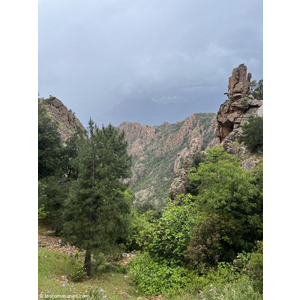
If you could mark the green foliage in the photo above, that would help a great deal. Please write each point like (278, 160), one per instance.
(52, 193)
(223, 274)
(49, 145)
(169, 235)
(245, 101)
(42, 213)
(163, 277)
(78, 275)
(252, 134)
(256, 89)
(229, 203)
(211, 241)
(241, 289)
(251, 264)
(97, 211)
(141, 224)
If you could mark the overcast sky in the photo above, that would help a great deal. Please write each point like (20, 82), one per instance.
(94, 54)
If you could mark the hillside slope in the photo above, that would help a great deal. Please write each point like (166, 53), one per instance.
(67, 122)
(158, 153)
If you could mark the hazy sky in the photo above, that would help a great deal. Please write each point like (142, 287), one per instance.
(94, 54)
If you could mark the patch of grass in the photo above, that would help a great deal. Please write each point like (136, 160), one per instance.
(54, 278)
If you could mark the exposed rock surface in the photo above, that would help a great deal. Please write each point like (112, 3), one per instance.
(161, 152)
(67, 122)
(239, 82)
(235, 112)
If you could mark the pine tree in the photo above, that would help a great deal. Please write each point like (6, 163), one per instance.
(49, 145)
(97, 210)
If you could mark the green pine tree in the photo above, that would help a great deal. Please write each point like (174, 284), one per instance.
(49, 145)
(97, 212)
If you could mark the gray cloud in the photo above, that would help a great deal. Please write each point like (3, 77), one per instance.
(95, 54)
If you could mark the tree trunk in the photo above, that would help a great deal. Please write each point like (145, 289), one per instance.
(87, 263)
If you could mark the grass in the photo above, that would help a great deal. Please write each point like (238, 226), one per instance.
(55, 269)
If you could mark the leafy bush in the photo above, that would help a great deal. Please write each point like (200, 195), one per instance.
(169, 236)
(159, 277)
(256, 88)
(241, 289)
(223, 274)
(78, 275)
(229, 206)
(211, 240)
(251, 264)
(140, 225)
(42, 213)
(252, 135)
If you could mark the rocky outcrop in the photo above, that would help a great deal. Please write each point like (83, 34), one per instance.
(162, 152)
(239, 83)
(231, 117)
(67, 122)
(237, 110)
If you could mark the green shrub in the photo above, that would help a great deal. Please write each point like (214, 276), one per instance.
(140, 225)
(42, 213)
(251, 264)
(159, 277)
(252, 135)
(223, 274)
(211, 241)
(229, 206)
(169, 236)
(241, 289)
(78, 275)
(97, 294)
(245, 101)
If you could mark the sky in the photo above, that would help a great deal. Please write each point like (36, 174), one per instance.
(99, 57)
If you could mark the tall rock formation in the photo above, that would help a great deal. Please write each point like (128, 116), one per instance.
(231, 117)
(237, 110)
(67, 122)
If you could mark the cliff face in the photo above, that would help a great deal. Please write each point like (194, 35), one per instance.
(237, 110)
(231, 117)
(67, 123)
(160, 152)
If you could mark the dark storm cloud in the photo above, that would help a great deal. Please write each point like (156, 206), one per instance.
(95, 54)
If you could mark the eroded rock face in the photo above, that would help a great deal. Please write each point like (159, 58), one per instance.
(67, 123)
(239, 82)
(235, 111)
(162, 152)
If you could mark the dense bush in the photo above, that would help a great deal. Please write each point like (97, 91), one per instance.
(252, 135)
(241, 289)
(170, 235)
(211, 240)
(155, 277)
(229, 206)
(251, 264)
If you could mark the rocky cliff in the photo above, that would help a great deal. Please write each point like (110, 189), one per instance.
(67, 122)
(160, 152)
(231, 117)
(237, 110)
